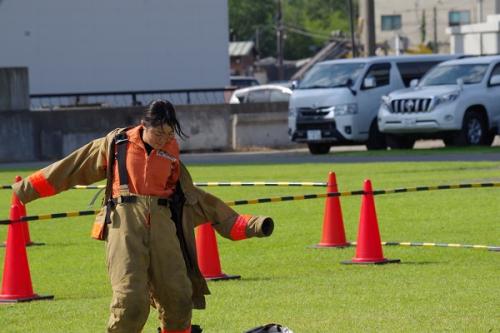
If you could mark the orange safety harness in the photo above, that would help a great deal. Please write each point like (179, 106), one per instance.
(175, 202)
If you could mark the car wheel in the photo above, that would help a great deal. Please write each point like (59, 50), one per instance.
(474, 131)
(376, 139)
(399, 142)
(319, 148)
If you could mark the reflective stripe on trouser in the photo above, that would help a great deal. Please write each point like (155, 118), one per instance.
(144, 258)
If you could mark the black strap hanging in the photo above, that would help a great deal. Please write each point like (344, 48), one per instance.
(120, 142)
(121, 156)
(176, 204)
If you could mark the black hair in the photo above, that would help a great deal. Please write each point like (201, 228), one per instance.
(161, 112)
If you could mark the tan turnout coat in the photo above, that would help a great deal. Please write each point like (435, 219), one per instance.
(88, 165)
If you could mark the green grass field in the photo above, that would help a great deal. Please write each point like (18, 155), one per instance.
(283, 280)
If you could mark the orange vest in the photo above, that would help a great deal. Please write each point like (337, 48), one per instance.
(154, 174)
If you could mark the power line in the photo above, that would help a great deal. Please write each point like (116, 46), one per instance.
(306, 33)
(280, 54)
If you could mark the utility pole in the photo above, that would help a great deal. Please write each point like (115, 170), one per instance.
(351, 24)
(368, 15)
(279, 43)
(257, 40)
(435, 49)
(479, 11)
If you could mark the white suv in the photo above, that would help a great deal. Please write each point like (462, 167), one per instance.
(457, 101)
(338, 100)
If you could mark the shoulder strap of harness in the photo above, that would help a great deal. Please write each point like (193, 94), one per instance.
(121, 155)
(118, 141)
(112, 156)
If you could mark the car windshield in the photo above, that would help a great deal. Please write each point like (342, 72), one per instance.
(331, 75)
(449, 74)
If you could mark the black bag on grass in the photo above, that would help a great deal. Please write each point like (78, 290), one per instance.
(270, 328)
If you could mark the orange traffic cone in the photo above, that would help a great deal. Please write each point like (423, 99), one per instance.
(208, 254)
(16, 282)
(333, 224)
(369, 247)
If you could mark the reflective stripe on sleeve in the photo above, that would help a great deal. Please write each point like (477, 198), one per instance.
(238, 231)
(41, 184)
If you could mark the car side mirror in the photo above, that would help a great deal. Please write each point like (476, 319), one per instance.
(460, 83)
(295, 84)
(349, 83)
(414, 83)
(495, 80)
(369, 82)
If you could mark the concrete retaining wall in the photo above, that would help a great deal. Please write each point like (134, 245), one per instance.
(14, 88)
(254, 128)
(49, 135)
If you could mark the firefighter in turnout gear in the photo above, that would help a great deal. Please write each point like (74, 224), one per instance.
(150, 210)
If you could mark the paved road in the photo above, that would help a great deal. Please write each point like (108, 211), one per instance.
(303, 156)
(424, 151)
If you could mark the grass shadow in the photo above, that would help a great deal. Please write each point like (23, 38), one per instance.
(422, 262)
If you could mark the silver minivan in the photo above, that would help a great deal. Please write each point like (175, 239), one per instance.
(337, 101)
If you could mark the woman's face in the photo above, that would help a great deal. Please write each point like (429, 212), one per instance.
(159, 136)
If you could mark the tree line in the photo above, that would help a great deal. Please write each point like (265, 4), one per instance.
(307, 24)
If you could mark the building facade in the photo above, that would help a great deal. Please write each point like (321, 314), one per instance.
(421, 24)
(72, 46)
(478, 39)
(242, 57)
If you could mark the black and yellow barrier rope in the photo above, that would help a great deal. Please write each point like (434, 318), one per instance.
(229, 203)
(210, 184)
(51, 216)
(227, 184)
(89, 187)
(435, 188)
(319, 184)
(287, 198)
(361, 192)
(291, 184)
(427, 244)
(313, 184)
(421, 244)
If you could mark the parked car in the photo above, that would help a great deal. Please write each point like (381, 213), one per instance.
(265, 93)
(243, 81)
(457, 101)
(338, 100)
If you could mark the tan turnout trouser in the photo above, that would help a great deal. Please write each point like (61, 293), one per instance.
(143, 257)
